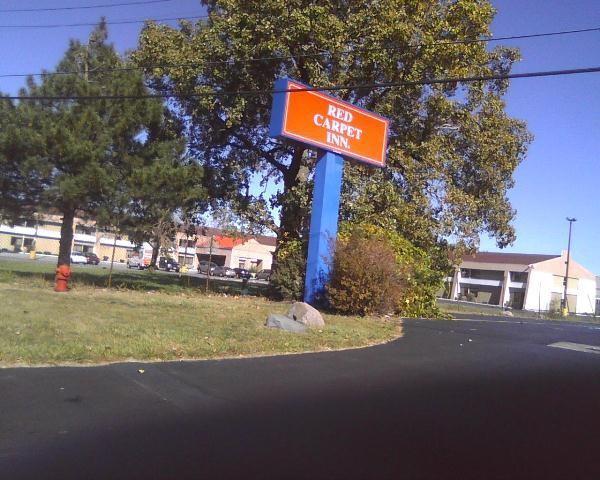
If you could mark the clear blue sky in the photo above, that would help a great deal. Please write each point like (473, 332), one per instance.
(559, 178)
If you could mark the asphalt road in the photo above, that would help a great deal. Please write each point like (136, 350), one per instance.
(451, 399)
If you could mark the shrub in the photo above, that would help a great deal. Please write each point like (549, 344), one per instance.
(287, 280)
(365, 277)
(554, 310)
(420, 280)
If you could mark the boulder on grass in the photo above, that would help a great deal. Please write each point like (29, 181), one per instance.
(306, 314)
(283, 322)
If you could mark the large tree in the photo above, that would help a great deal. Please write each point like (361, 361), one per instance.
(452, 151)
(166, 191)
(84, 149)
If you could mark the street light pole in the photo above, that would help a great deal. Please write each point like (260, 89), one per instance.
(565, 304)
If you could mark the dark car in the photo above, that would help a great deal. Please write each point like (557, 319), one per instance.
(168, 264)
(264, 275)
(224, 272)
(92, 258)
(242, 273)
(207, 268)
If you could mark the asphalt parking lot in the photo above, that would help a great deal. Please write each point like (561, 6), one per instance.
(451, 399)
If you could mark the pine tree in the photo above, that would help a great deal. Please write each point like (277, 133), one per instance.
(84, 150)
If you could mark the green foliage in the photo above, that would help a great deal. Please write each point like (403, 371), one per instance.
(24, 171)
(413, 292)
(554, 311)
(452, 151)
(287, 279)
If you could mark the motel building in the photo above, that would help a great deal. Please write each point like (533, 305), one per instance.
(42, 234)
(252, 252)
(523, 281)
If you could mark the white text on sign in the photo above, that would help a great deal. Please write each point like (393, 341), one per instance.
(337, 122)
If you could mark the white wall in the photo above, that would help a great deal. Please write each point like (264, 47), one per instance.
(586, 296)
(541, 286)
(539, 291)
(252, 250)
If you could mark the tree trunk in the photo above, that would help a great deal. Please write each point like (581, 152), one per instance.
(293, 218)
(155, 252)
(112, 261)
(66, 237)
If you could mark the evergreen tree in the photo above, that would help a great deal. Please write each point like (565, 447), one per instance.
(84, 150)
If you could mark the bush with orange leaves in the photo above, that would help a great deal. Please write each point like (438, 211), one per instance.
(366, 278)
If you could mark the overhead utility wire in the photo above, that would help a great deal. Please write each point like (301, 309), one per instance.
(116, 22)
(307, 55)
(81, 7)
(369, 86)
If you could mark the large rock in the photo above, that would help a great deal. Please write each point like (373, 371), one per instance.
(305, 314)
(288, 324)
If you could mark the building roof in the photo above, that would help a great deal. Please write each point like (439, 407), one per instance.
(229, 241)
(508, 258)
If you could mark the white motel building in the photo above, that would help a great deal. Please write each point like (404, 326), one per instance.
(523, 281)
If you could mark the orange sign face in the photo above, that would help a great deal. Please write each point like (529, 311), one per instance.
(323, 121)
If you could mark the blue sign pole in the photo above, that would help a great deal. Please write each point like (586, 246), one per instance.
(323, 223)
(337, 124)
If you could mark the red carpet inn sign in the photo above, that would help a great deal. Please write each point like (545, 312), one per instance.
(322, 121)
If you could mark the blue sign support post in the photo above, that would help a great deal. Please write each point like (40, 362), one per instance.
(337, 129)
(323, 223)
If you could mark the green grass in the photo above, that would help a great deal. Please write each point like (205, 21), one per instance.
(141, 280)
(91, 324)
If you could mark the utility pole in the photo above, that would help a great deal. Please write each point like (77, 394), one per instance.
(565, 304)
(210, 248)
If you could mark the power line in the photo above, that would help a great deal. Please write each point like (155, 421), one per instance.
(116, 22)
(369, 86)
(81, 7)
(310, 55)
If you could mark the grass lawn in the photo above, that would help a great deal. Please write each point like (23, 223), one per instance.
(142, 280)
(152, 321)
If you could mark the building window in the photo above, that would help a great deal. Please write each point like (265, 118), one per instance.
(24, 222)
(16, 243)
(242, 263)
(190, 243)
(85, 229)
(183, 260)
(518, 277)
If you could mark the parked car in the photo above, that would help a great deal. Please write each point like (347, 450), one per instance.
(224, 272)
(78, 257)
(207, 268)
(168, 264)
(242, 273)
(135, 262)
(264, 275)
(92, 258)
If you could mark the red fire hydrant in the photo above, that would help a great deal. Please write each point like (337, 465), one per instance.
(63, 273)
